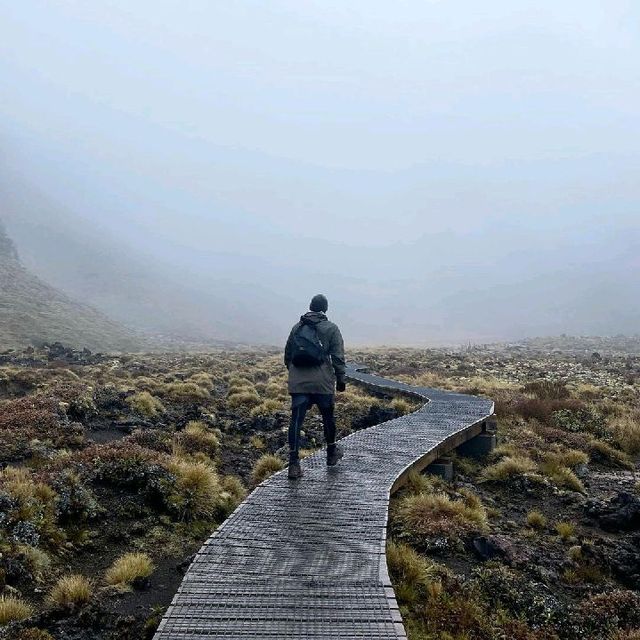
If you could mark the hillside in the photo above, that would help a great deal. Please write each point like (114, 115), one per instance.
(33, 312)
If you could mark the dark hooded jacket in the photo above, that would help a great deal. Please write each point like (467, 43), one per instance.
(320, 379)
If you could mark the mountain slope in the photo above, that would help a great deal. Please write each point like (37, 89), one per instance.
(33, 312)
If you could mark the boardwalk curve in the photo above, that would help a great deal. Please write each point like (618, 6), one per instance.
(306, 559)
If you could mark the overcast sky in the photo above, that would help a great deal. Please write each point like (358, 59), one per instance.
(443, 170)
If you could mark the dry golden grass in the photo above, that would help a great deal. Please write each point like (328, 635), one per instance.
(561, 476)
(198, 490)
(410, 571)
(265, 467)
(257, 442)
(437, 514)
(196, 438)
(129, 568)
(244, 399)
(70, 591)
(13, 610)
(626, 432)
(145, 404)
(536, 520)
(509, 467)
(266, 408)
(401, 406)
(601, 451)
(565, 530)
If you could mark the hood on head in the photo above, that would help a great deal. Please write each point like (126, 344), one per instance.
(313, 317)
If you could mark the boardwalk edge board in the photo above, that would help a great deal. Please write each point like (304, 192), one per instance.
(306, 559)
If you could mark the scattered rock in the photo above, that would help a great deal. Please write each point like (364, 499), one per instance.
(621, 513)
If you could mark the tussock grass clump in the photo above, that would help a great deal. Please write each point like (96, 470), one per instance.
(417, 482)
(410, 571)
(562, 476)
(273, 390)
(626, 433)
(547, 389)
(196, 438)
(266, 408)
(265, 467)
(203, 380)
(257, 442)
(602, 452)
(198, 489)
(401, 406)
(536, 520)
(565, 530)
(128, 569)
(232, 494)
(14, 610)
(244, 399)
(437, 514)
(145, 404)
(70, 591)
(509, 467)
(186, 392)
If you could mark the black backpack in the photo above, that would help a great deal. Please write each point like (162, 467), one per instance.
(308, 350)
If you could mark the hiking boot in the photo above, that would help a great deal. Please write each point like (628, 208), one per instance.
(334, 455)
(295, 470)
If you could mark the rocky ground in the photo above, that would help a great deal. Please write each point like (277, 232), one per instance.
(114, 470)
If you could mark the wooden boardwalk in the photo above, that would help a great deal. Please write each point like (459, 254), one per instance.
(305, 559)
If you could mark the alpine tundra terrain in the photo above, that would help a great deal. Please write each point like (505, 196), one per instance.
(115, 469)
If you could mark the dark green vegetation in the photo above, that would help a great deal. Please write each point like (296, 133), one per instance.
(33, 312)
(116, 469)
(541, 541)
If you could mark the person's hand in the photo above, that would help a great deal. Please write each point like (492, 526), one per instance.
(341, 386)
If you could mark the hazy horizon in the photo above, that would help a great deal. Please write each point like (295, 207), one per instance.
(443, 172)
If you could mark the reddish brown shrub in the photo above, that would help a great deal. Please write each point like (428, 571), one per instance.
(34, 418)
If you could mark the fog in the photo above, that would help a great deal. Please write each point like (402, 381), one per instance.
(443, 171)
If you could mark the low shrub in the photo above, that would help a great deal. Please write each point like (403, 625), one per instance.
(70, 591)
(35, 418)
(265, 467)
(130, 568)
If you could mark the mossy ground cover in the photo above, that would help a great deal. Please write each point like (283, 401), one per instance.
(541, 540)
(115, 469)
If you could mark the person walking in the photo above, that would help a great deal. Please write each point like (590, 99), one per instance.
(314, 356)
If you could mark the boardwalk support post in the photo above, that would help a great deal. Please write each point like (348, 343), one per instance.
(442, 467)
(484, 443)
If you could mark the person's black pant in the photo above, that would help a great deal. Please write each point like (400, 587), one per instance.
(300, 404)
